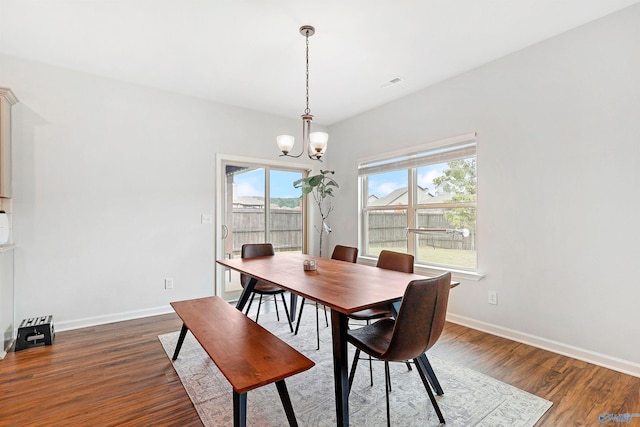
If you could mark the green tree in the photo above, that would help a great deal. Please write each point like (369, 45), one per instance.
(460, 180)
(286, 202)
(321, 186)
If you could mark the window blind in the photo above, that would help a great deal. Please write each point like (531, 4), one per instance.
(464, 147)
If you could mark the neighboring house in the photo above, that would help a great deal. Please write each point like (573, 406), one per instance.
(249, 202)
(400, 196)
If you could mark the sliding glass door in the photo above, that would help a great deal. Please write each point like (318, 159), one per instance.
(259, 205)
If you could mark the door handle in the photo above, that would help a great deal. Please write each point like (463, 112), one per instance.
(225, 232)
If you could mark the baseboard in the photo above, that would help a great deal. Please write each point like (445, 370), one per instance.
(614, 363)
(8, 345)
(110, 318)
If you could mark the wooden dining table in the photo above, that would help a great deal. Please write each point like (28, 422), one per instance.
(345, 288)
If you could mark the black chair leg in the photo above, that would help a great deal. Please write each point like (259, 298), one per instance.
(259, 305)
(246, 312)
(299, 316)
(370, 362)
(275, 301)
(317, 327)
(286, 311)
(430, 393)
(353, 368)
(326, 319)
(387, 388)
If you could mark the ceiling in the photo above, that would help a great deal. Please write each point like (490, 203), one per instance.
(249, 53)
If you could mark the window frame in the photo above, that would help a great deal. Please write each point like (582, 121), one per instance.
(411, 159)
(222, 159)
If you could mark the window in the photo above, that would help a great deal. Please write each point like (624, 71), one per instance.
(422, 202)
(258, 203)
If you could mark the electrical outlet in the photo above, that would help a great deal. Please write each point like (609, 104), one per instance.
(493, 298)
(206, 219)
(168, 283)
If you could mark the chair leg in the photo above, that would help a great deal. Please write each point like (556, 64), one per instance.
(317, 327)
(326, 319)
(246, 312)
(275, 301)
(299, 316)
(259, 305)
(286, 311)
(409, 366)
(431, 396)
(370, 363)
(387, 387)
(352, 374)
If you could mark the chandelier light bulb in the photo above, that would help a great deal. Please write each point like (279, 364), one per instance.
(285, 143)
(318, 142)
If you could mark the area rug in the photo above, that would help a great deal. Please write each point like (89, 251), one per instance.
(470, 398)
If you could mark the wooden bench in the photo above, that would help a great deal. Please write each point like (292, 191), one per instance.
(248, 355)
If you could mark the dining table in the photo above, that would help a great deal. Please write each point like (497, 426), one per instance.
(344, 288)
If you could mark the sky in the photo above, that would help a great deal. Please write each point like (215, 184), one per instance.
(251, 184)
(384, 183)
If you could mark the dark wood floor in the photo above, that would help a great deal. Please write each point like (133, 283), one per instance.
(119, 375)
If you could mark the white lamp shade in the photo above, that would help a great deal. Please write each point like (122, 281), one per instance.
(318, 142)
(285, 143)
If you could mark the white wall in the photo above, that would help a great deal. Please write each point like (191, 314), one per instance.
(110, 180)
(558, 153)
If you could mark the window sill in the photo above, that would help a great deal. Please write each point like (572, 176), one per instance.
(432, 271)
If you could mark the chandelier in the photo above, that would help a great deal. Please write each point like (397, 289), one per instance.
(315, 142)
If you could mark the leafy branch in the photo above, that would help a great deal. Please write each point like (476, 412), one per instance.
(321, 186)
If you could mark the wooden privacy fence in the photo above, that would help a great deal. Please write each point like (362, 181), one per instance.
(386, 229)
(286, 228)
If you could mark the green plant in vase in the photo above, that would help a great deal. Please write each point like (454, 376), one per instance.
(321, 186)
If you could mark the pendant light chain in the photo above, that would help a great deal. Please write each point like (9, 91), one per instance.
(307, 111)
(313, 143)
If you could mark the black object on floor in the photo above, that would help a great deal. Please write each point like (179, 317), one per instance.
(34, 332)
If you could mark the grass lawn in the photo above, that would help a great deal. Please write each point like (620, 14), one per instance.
(438, 256)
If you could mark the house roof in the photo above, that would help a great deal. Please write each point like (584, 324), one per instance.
(399, 196)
